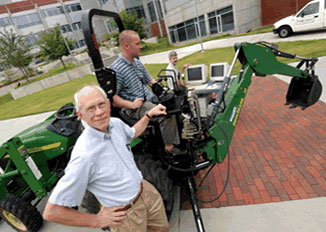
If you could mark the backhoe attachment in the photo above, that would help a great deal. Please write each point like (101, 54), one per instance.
(305, 88)
(303, 92)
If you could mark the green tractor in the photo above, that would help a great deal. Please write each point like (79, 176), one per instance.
(34, 160)
(31, 163)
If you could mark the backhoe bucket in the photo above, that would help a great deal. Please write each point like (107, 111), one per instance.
(303, 92)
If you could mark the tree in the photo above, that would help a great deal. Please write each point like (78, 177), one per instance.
(132, 22)
(52, 44)
(14, 51)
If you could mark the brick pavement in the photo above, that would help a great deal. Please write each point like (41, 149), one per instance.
(277, 153)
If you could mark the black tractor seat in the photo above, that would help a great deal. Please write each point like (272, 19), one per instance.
(125, 118)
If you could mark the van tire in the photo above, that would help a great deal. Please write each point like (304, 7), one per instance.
(284, 31)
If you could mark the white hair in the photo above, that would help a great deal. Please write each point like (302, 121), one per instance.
(86, 90)
(171, 54)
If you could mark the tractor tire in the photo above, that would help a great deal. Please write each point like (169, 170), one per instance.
(284, 31)
(153, 172)
(20, 215)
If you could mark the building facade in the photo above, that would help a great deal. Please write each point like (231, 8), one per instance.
(29, 18)
(189, 19)
(131, 6)
(181, 21)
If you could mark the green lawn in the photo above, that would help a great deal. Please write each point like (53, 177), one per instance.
(43, 101)
(53, 98)
(310, 48)
(164, 45)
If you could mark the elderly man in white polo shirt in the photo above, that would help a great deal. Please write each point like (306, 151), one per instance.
(102, 163)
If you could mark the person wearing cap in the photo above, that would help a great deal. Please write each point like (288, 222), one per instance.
(102, 163)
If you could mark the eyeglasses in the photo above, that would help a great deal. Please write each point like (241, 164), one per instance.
(92, 109)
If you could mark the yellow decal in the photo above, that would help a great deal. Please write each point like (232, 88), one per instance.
(51, 146)
(238, 112)
(44, 148)
(34, 149)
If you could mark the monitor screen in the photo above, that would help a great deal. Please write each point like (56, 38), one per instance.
(217, 71)
(194, 74)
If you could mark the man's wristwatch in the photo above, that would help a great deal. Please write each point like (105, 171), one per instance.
(147, 115)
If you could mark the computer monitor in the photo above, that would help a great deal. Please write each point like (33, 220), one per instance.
(218, 71)
(196, 74)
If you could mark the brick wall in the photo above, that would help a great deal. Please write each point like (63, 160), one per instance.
(274, 10)
(163, 25)
(26, 5)
(155, 29)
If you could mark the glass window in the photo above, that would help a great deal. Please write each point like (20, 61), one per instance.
(61, 9)
(5, 21)
(212, 25)
(50, 12)
(187, 30)
(27, 20)
(172, 36)
(65, 28)
(75, 7)
(202, 28)
(160, 9)
(191, 21)
(180, 25)
(191, 31)
(82, 43)
(212, 14)
(102, 2)
(76, 26)
(32, 39)
(310, 9)
(152, 12)
(224, 10)
(222, 17)
(139, 11)
(182, 34)
(227, 21)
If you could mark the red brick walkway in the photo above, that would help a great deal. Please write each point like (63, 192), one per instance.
(277, 153)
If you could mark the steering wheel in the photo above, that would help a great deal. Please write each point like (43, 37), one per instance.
(65, 112)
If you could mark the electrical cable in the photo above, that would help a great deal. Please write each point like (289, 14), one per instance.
(227, 175)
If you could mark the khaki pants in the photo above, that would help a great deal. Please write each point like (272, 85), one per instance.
(147, 214)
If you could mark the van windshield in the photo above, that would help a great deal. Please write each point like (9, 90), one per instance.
(312, 8)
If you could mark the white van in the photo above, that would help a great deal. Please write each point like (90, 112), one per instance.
(311, 17)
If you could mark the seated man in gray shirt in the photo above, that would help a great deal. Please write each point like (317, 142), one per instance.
(132, 92)
(102, 163)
